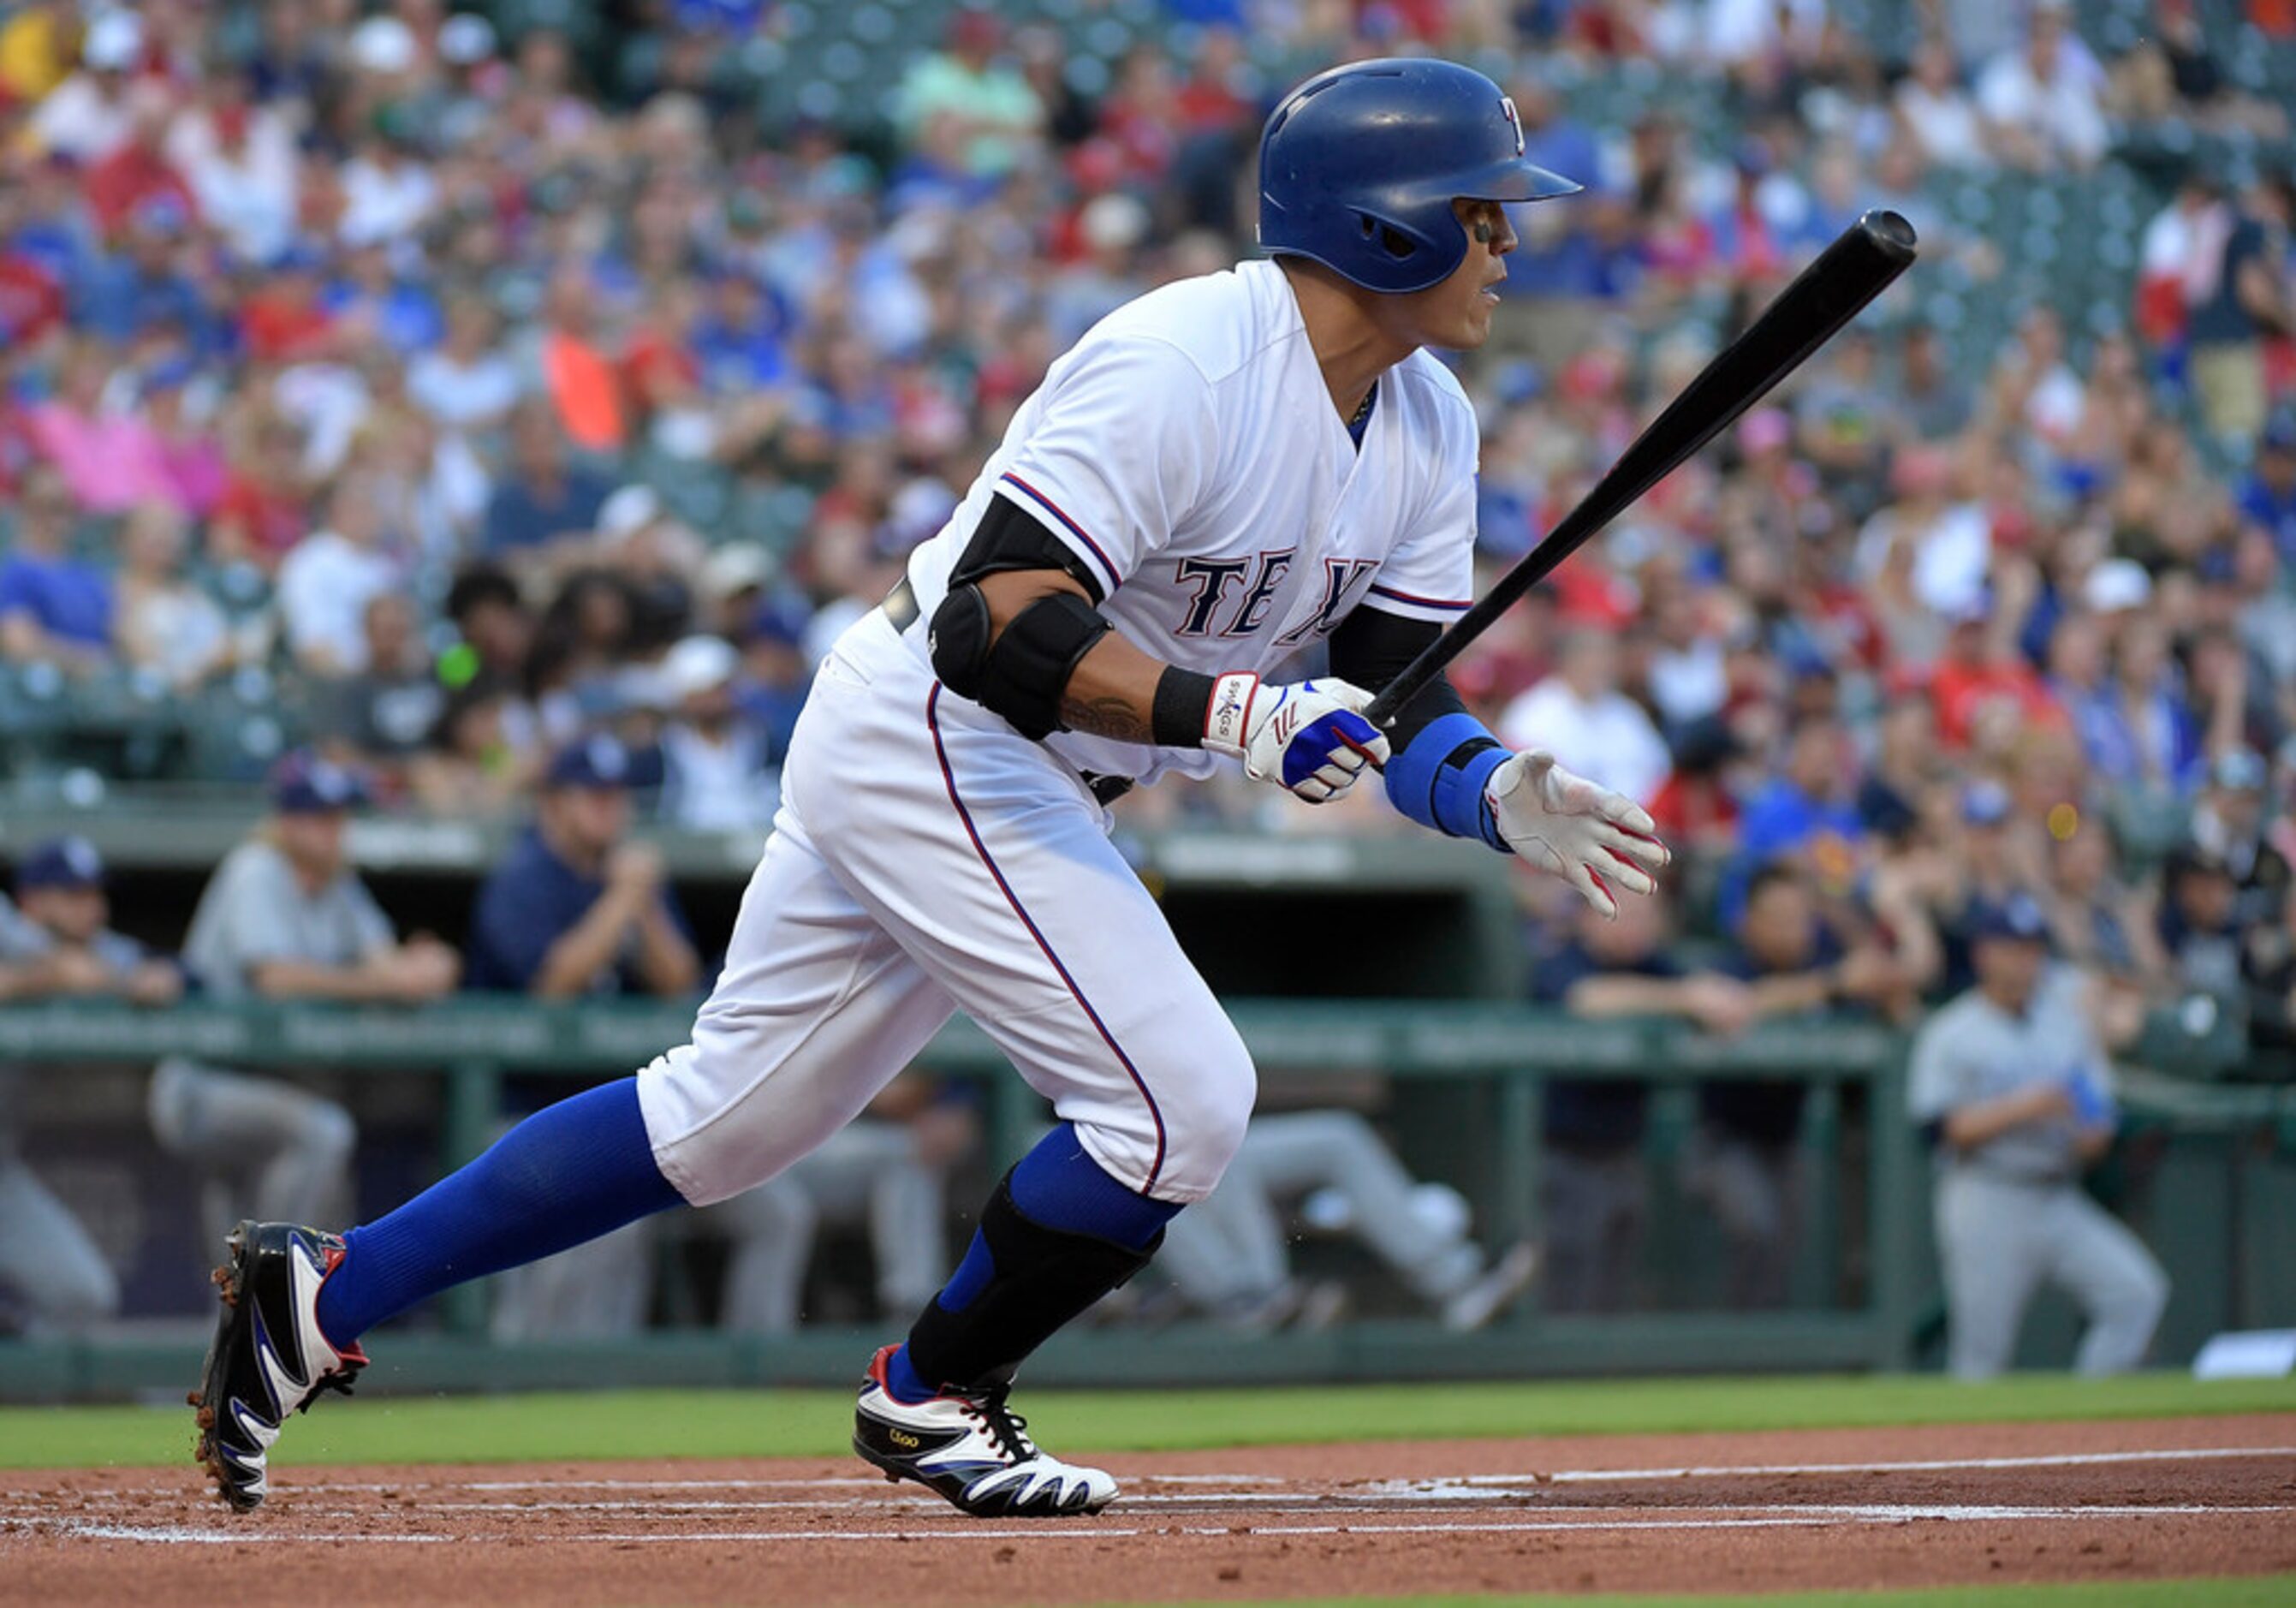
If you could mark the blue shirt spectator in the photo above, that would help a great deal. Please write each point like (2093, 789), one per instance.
(2266, 495)
(544, 497)
(574, 909)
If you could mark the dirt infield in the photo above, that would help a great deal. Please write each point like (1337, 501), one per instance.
(1728, 1512)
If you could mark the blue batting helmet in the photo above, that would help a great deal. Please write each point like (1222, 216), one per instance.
(1358, 167)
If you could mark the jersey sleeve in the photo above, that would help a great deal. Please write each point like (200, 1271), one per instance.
(1430, 573)
(1937, 1082)
(1125, 448)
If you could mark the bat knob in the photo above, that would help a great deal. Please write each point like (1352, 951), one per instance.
(1890, 234)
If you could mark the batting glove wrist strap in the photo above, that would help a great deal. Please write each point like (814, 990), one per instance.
(1440, 779)
(1183, 708)
(1307, 737)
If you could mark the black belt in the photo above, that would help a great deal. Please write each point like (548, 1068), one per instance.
(900, 606)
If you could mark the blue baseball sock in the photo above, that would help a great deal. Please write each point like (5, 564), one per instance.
(1056, 1185)
(568, 1173)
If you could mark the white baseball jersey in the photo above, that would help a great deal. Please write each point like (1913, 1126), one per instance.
(928, 857)
(1187, 450)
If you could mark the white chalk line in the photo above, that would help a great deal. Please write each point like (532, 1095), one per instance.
(1930, 1465)
(1434, 1489)
(1891, 1514)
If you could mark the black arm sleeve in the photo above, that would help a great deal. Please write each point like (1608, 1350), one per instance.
(1009, 538)
(1370, 649)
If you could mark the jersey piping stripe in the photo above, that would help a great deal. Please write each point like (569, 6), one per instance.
(1425, 603)
(1075, 529)
(948, 777)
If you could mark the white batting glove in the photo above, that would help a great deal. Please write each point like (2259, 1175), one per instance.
(1592, 838)
(1307, 735)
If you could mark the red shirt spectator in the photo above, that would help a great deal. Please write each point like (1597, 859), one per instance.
(135, 175)
(31, 302)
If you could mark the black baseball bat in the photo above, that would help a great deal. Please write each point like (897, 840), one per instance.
(1855, 269)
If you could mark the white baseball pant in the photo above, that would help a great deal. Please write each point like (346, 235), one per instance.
(929, 858)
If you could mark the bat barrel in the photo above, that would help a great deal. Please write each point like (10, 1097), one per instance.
(1860, 264)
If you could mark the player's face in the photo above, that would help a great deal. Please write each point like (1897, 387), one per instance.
(1456, 313)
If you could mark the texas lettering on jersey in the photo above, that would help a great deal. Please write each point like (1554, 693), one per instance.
(1186, 450)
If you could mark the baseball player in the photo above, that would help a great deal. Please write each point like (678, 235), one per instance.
(1227, 472)
(2010, 1082)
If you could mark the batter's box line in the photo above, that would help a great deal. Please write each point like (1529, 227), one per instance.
(1790, 1519)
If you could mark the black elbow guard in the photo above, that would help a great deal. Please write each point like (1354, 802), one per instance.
(1021, 671)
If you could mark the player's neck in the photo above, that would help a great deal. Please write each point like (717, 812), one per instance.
(1350, 348)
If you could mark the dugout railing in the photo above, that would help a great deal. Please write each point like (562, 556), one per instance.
(1472, 1075)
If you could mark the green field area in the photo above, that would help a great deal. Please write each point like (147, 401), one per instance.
(765, 1424)
(2264, 1591)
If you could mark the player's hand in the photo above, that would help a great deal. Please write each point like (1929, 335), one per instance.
(635, 867)
(1309, 737)
(154, 982)
(1592, 838)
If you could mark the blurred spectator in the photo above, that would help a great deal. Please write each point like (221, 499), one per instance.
(471, 766)
(1805, 816)
(136, 174)
(2098, 921)
(963, 107)
(86, 117)
(240, 161)
(1232, 1261)
(1580, 716)
(490, 615)
(546, 505)
(327, 581)
(2042, 104)
(55, 607)
(164, 623)
(716, 775)
(1746, 1163)
(2010, 1082)
(888, 1170)
(575, 909)
(1936, 110)
(1934, 400)
(2236, 285)
(1596, 1180)
(382, 713)
(2199, 925)
(2266, 497)
(284, 917)
(263, 510)
(56, 943)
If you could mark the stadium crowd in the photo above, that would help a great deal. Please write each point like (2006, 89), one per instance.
(449, 397)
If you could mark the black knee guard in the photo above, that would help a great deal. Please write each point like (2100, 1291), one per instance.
(1039, 1279)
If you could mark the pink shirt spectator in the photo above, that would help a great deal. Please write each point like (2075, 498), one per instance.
(111, 461)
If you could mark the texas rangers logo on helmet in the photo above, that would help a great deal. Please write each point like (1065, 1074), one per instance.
(1515, 120)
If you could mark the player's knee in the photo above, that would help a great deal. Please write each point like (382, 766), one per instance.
(1206, 1137)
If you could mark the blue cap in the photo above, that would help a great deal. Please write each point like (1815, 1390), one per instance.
(780, 617)
(2017, 918)
(598, 761)
(67, 862)
(1984, 803)
(305, 785)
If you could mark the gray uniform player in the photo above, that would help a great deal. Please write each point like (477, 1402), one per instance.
(2011, 1078)
(284, 917)
(56, 944)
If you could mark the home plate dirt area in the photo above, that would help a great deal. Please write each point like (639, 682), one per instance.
(2136, 1499)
